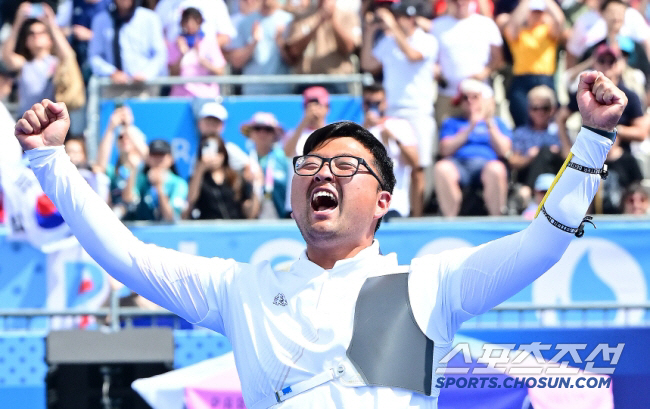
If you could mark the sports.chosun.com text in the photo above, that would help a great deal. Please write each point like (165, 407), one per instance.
(530, 382)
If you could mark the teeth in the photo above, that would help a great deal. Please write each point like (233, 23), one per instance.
(324, 193)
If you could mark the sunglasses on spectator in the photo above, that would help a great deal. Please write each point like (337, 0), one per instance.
(263, 128)
(372, 103)
(467, 97)
(606, 61)
(544, 108)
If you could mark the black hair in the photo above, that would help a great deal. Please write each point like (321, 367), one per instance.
(635, 187)
(21, 40)
(191, 12)
(372, 88)
(381, 160)
(70, 137)
(608, 2)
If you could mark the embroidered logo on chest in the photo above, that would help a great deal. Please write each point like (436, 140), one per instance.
(280, 300)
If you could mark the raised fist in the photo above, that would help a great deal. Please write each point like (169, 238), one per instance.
(46, 124)
(601, 103)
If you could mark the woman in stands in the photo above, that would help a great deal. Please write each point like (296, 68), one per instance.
(195, 54)
(216, 190)
(34, 48)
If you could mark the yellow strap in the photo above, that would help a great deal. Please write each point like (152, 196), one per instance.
(557, 177)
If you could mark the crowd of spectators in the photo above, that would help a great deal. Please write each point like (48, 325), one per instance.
(462, 142)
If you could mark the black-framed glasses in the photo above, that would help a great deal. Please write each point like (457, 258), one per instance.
(545, 108)
(342, 166)
(263, 128)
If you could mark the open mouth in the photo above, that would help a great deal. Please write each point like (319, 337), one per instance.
(323, 200)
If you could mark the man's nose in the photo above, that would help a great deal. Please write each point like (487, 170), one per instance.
(325, 173)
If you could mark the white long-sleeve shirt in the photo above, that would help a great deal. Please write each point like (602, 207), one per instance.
(276, 345)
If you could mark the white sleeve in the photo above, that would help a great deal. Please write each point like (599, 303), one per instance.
(403, 130)
(639, 28)
(575, 44)
(187, 285)
(494, 35)
(237, 158)
(470, 281)
(426, 44)
(223, 22)
(379, 51)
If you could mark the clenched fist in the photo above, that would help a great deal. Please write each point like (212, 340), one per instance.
(46, 124)
(601, 103)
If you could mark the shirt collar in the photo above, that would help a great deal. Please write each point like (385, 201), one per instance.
(368, 257)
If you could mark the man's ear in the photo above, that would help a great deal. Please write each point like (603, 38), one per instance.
(291, 215)
(383, 204)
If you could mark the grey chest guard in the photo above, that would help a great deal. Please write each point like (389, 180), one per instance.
(387, 347)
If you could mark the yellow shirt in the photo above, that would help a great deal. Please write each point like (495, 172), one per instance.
(534, 51)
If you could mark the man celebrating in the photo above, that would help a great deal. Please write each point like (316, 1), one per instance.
(346, 326)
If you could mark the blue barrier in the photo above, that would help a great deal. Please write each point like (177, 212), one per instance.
(631, 374)
(608, 264)
(22, 370)
(173, 119)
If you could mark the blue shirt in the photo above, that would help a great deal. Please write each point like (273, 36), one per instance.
(141, 42)
(281, 175)
(525, 137)
(478, 142)
(266, 58)
(148, 207)
(84, 11)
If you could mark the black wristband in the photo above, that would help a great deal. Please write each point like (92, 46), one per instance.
(607, 134)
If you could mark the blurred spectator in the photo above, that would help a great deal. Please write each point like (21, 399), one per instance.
(471, 146)
(75, 147)
(160, 194)
(212, 121)
(484, 7)
(7, 78)
(9, 8)
(536, 146)
(533, 33)
(35, 48)
(83, 12)
(322, 42)
(622, 171)
(128, 46)
(542, 185)
(407, 55)
(316, 101)
(633, 125)
(270, 162)
(216, 190)
(623, 168)
(194, 54)
(11, 152)
(400, 141)
(216, 19)
(636, 200)
(607, 18)
(259, 48)
(470, 47)
(245, 7)
(298, 7)
(132, 150)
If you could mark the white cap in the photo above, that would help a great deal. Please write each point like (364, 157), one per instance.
(539, 5)
(475, 86)
(215, 110)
